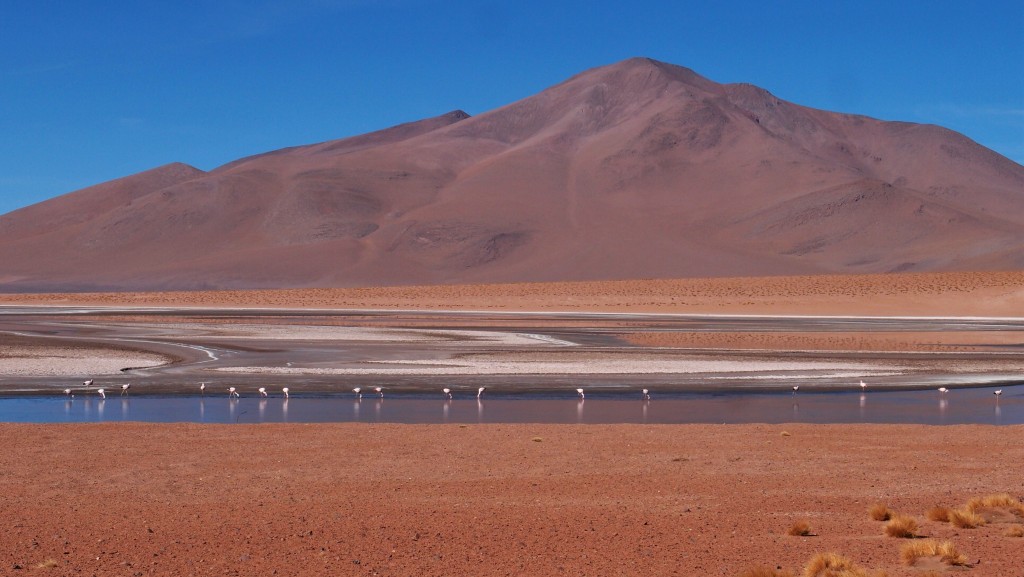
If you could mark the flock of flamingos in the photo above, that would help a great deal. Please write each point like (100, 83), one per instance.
(234, 394)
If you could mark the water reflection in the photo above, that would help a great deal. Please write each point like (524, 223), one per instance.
(970, 406)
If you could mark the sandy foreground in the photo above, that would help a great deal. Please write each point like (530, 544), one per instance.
(351, 499)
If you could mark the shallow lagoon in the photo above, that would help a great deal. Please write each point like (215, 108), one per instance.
(959, 406)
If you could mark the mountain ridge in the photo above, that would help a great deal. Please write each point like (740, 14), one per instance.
(638, 169)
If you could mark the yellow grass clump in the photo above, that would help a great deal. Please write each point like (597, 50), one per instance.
(901, 526)
(938, 513)
(880, 512)
(965, 518)
(1014, 531)
(834, 565)
(945, 551)
(801, 528)
(996, 501)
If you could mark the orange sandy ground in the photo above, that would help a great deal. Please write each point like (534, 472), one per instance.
(355, 499)
(922, 294)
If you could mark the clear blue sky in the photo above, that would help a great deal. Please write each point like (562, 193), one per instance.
(91, 91)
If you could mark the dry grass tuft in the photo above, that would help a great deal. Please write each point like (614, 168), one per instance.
(880, 512)
(1014, 531)
(901, 526)
(938, 513)
(945, 551)
(965, 519)
(537, 439)
(832, 565)
(764, 572)
(785, 434)
(801, 528)
(996, 501)
(48, 564)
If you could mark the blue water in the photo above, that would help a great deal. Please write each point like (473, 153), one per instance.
(960, 406)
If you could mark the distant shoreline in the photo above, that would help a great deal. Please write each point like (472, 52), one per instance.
(944, 294)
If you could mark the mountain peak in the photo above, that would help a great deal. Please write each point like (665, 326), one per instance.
(638, 169)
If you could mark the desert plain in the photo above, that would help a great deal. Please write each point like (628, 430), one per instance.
(528, 499)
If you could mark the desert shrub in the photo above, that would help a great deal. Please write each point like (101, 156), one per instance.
(880, 512)
(832, 565)
(965, 519)
(945, 551)
(901, 526)
(1014, 531)
(801, 528)
(996, 501)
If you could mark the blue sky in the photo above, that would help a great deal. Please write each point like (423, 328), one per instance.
(91, 91)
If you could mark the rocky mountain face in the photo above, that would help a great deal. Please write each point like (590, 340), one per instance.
(639, 169)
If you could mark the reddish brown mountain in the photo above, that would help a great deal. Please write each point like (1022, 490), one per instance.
(638, 169)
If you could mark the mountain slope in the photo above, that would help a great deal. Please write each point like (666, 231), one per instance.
(637, 169)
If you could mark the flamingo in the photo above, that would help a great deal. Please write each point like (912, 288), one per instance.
(379, 391)
(447, 392)
(943, 390)
(263, 392)
(233, 393)
(358, 391)
(202, 389)
(998, 393)
(863, 386)
(68, 392)
(124, 388)
(647, 394)
(796, 388)
(101, 393)
(87, 383)
(480, 392)
(285, 391)
(580, 393)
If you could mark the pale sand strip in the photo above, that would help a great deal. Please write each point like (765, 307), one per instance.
(492, 366)
(60, 362)
(295, 332)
